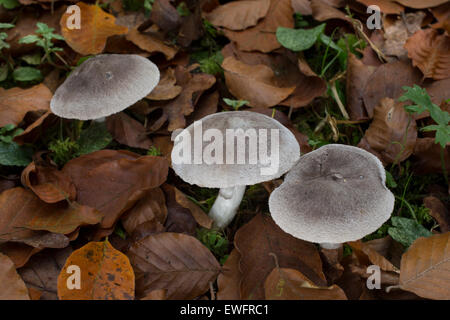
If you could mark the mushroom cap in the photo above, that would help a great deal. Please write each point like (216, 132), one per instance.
(334, 194)
(104, 85)
(227, 175)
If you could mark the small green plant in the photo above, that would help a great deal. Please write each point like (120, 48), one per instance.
(4, 35)
(11, 154)
(215, 242)
(63, 150)
(183, 9)
(235, 104)
(154, 151)
(300, 21)
(10, 4)
(44, 38)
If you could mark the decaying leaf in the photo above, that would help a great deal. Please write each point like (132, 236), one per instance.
(230, 278)
(419, 4)
(239, 15)
(105, 273)
(128, 131)
(13, 287)
(166, 88)
(386, 6)
(427, 156)
(16, 102)
(262, 36)
(173, 261)
(374, 257)
(262, 244)
(302, 6)
(255, 84)
(112, 181)
(430, 52)
(291, 284)
(96, 27)
(392, 133)
(439, 212)
(48, 183)
(425, 267)
(150, 43)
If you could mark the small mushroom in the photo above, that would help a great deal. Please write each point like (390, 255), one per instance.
(104, 85)
(334, 194)
(230, 150)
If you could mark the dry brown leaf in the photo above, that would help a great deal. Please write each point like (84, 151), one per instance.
(166, 88)
(106, 274)
(128, 131)
(173, 261)
(150, 43)
(387, 82)
(239, 15)
(41, 272)
(262, 36)
(34, 131)
(386, 6)
(427, 156)
(425, 267)
(96, 27)
(291, 284)
(206, 105)
(323, 11)
(357, 76)
(112, 181)
(151, 207)
(420, 4)
(165, 15)
(262, 244)
(439, 212)
(230, 278)
(430, 52)
(302, 6)
(392, 133)
(13, 287)
(373, 256)
(21, 212)
(48, 183)
(442, 15)
(193, 87)
(179, 218)
(16, 102)
(19, 253)
(254, 83)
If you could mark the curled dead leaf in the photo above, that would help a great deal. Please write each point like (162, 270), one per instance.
(128, 131)
(230, 278)
(166, 88)
(13, 287)
(150, 43)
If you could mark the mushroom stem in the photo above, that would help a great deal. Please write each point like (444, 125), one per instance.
(100, 120)
(331, 246)
(226, 205)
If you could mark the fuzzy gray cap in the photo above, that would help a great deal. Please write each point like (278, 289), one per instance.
(104, 85)
(334, 194)
(228, 175)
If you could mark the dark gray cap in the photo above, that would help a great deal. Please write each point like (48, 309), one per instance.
(104, 85)
(334, 194)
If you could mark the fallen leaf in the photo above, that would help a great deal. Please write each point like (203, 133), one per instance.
(206, 105)
(112, 181)
(150, 43)
(386, 6)
(151, 207)
(165, 15)
(358, 74)
(363, 248)
(106, 274)
(439, 212)
(442, 15)
(255, 84)
(427, 156)
(239, 15)
(331, 261)
(166, 88)
(16, 102)
(262, 36)
(291, 284)
(392, 133)
(322, 11)
(425, 267)
(21, 212)
(173, 261)
(19, 253)
(430, 52)
(387, 82)
(41, 272)
(48, 183)
(228, 281)
(13, 287)
(259, 242)
(179, 218)
(128, 131)
(34, 131)
(419, 4)
(96, 27)
(302, 6)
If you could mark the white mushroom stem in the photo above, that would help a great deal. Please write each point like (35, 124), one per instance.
(226, 205)
(331, 246)
(100, 120)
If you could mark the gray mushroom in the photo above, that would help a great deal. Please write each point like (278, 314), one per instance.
(230, 150)
(334, 194)
(104, 85)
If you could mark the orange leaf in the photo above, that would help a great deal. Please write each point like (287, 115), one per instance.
(425, 267)
(16, 102)
(13, 287)
(106, 274)
(430, 52)
(96, 27)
